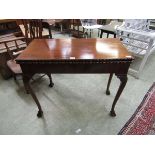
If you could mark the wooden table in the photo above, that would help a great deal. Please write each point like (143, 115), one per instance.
(75, 56)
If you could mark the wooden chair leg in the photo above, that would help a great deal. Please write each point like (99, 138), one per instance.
(101, 34)
(14, 76)
(98, 32)
(50, 78)
(50, 33)
(107, 35)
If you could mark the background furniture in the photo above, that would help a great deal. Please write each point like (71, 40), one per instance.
(90, 25)
(74, 29)
(13, 67)
(80, 56)
(11, 44)
(13, 53)
(8, 26)
(52, 23)
(14, 42)
(32, 29)
(139, 40)
(110, 28)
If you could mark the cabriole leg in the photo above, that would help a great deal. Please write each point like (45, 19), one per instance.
(26, 80)
(109, 81)
(123, 79)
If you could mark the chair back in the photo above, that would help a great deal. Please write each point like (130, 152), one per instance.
(13, 46)
(74, 28)
(33, 28)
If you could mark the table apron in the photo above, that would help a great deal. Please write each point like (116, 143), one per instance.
(119, 68)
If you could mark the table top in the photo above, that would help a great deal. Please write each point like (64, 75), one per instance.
(79, 49)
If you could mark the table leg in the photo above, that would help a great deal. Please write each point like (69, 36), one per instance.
(50, 78)
(26, 80)
(50, 33)
(123, 80)
(98, 32)
(107, 35)
(25, 85)
(101, 34)
(90, 32)
(109, 81)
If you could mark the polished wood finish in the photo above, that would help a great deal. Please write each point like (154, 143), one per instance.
(75, 56)
(80, 49)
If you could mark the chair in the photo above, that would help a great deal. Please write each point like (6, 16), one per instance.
(48, 23)
(13, 43)
(110, 28)
(139, 40)
(13, 53)
(90, 24)
(14, 47)
(33, 29)
(52, 23)
(74, 29)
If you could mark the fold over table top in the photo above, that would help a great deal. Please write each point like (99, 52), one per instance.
(74, 49)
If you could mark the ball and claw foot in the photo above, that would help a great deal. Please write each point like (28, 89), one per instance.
(107, 92)
(112, 113)
(40, 114)
(51, 84)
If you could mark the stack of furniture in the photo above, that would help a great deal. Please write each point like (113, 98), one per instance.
(139, 40)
